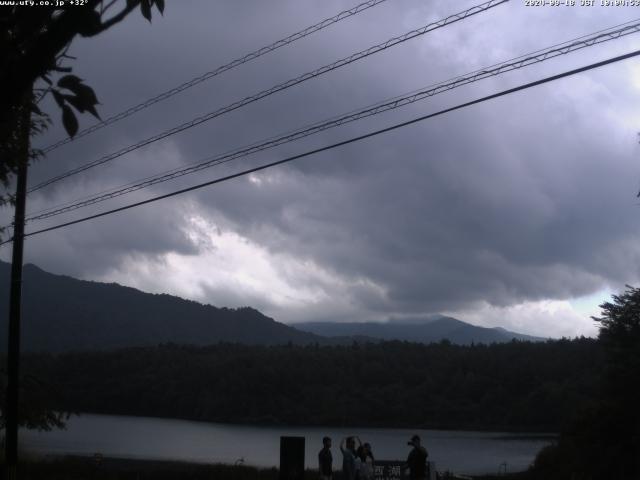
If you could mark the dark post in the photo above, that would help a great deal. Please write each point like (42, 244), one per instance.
(291, 458)
(13, 352)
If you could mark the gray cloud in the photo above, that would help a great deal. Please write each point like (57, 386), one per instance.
(525, 198)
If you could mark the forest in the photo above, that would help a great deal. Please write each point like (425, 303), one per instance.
(516, 386)
(585, 390)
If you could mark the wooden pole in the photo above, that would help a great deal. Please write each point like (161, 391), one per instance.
(15, 299)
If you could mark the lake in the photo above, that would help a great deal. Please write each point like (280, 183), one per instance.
(165, 439)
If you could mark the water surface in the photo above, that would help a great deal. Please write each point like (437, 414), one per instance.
(167, 439)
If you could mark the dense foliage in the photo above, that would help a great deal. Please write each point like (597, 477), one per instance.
(33, 48)
(604, 443)
(517, 385)
(35, 404)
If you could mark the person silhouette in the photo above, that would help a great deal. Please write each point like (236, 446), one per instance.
(325, 460)
(350, 461)
(365, 454)
(417, 460)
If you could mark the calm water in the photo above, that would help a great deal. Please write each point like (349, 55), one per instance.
(164, 439)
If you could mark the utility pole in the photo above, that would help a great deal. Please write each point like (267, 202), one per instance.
(13, 352)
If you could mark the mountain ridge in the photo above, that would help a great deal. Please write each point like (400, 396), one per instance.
(434, 329)
(62, 313)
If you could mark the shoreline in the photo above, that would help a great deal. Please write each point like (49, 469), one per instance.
(73, 467)
(517, 433)
(77, 467)
(177, 442)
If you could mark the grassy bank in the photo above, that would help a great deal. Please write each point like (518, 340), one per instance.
(510, 476)
(82, 468)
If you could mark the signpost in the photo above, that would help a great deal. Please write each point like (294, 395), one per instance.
(392, 470)
(291, 458)
(389, 470)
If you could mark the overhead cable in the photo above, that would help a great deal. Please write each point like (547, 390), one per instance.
(277, 88)
(339, 144)
(497, 69)
(219, 70)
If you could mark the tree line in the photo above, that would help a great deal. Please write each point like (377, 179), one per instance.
(603, 442)
(514, 386)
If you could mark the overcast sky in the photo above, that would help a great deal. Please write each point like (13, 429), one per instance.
(520, 212)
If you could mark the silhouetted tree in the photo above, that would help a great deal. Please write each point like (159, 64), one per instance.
(604, 443)
(33, 46)
(36, 399)
(620, 338)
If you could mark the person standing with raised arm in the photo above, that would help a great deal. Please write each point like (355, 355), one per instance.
(349, 458)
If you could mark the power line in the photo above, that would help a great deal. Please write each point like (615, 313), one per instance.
(282, 86)
(342, 143)
(497, 69)
(219, 70)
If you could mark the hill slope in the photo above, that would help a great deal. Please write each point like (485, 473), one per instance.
(432, 329)
(61, 313)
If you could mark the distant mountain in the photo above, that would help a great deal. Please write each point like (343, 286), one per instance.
(431, 329)
(61, 313)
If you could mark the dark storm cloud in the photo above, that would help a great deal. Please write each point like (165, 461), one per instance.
(91, 249)
(452, 224)
(525, 198)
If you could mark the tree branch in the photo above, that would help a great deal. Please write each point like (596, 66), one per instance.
(108, 6)
(118, 18)
(36, 61)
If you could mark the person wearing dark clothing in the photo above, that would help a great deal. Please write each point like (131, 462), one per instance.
(325, 460)
(417, 460)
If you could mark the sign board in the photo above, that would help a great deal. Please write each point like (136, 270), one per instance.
(389, 470)
(392, 470)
